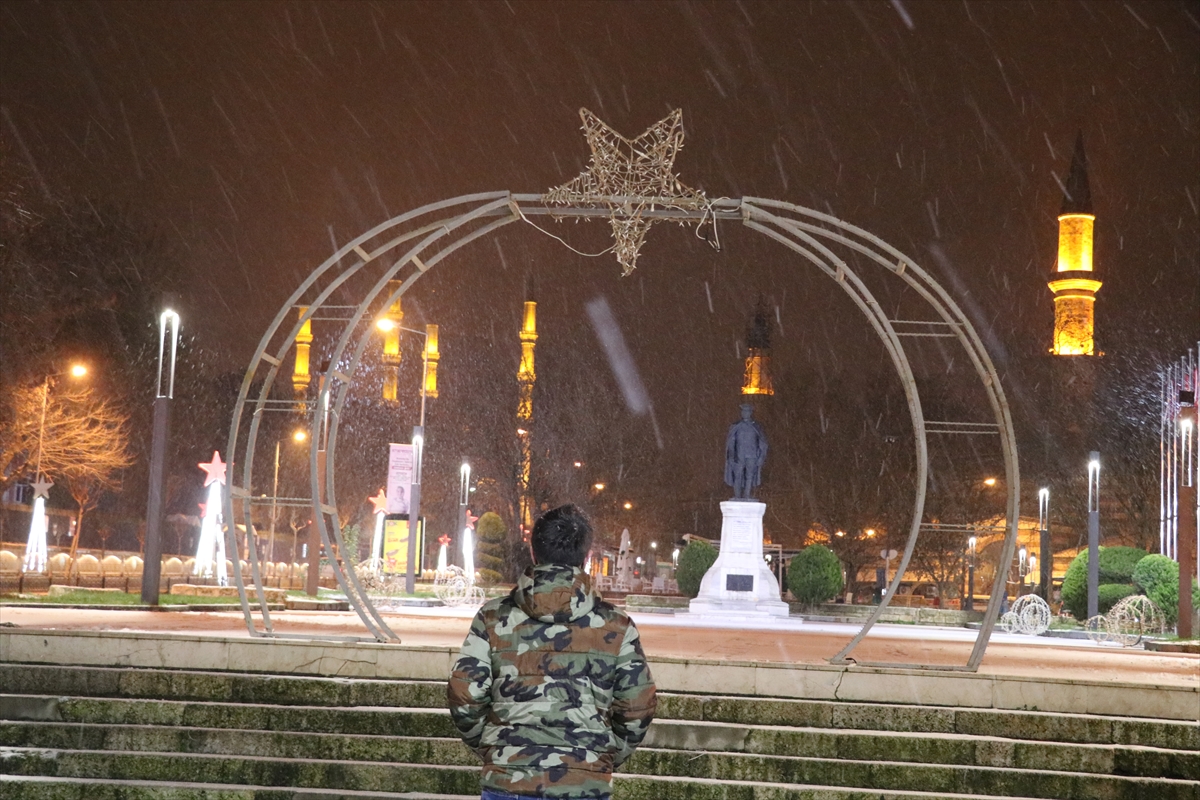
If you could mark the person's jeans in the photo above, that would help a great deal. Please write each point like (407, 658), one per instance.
(492, 794)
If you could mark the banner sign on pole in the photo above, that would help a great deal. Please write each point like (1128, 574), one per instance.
(395, 546)
(399, 477)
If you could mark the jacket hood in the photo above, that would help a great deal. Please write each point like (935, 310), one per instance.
(554, 593)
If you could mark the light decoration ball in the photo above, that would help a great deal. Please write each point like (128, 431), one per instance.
(210, 551)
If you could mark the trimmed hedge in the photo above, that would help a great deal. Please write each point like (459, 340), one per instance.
(490, 550)
(694, 561)
(815, 575)
(1109, 594)
(1158, 577)
(1117, 565)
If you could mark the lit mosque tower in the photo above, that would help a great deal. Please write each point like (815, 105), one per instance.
(390, 323)
(1074, 283)
(300, 372)
(758, 354)
(526, 377)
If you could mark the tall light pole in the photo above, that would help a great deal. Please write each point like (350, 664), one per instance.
(1044, 548)
(969, 605)
(1187, 511)
(164, 392)
(1093, 507)
(464, 492)
(299, 435)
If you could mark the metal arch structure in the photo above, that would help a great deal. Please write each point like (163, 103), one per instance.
(406, 247)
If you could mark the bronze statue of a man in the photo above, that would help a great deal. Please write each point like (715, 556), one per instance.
(745, 452)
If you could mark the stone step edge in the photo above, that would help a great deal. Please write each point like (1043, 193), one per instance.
(8, 752)
(417, 710)
(225, 789)
(337, 680)
(771, 679)
(320, 794)
(798, 730)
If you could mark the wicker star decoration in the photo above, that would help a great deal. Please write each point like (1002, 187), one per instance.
(630, 176)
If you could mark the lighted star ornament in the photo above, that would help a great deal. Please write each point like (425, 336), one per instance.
(630, 176)
(35, 547)
(210, 552)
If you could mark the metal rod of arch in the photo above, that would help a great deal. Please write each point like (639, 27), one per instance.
(899, 264)
(435, 239)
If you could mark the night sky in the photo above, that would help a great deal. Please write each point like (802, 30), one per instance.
(255, 136)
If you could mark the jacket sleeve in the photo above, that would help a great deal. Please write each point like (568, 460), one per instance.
(469, 691)
(634, 699)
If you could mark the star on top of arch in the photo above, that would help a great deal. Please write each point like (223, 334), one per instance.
(630, 176)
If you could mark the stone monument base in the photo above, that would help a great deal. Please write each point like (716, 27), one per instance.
(740, 584)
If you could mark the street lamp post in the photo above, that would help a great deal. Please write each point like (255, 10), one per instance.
(1187, 537)
(1093, 507)
(463, 495)
(164, 392)
(969, 605)
(299, 435)
(1022, 562)
(429, 362)
(1046, 578)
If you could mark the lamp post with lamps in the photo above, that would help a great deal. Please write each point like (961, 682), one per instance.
(35, 548)
(969, 604)
(168, 344)
(430, 355)
(299, 436)
(1093, 528)
(1044, 548)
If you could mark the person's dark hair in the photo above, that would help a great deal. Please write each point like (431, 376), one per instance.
(562, 535)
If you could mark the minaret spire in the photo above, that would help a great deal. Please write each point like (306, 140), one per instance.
(526, 377)
(758, 353)
(1074, 282)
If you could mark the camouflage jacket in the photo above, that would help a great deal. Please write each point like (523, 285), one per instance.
(551, 688)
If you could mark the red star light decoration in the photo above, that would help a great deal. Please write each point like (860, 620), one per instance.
(444, 540)
(380, 502)
(214, 470)
(471, 518)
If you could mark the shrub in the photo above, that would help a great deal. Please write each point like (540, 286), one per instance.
(1117, 565)
(1109, 594)
(694, 561)
(815, 575)
(490, 561)
(1158, 577)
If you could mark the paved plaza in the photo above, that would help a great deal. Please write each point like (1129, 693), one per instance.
(664, 637)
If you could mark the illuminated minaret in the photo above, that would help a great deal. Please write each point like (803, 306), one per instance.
(526, 377)
(300, 374)
(1074, 283)
(389, 323)
(758, 354)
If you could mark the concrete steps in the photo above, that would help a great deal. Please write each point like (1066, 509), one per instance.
(68, 732)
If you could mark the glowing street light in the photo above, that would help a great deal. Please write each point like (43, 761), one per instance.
(1044, 546)
(989, 482)
(599, 487)
(628, 505)
(168, 348)
(1093, 506)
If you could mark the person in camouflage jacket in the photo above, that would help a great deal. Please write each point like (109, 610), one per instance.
(551, 687)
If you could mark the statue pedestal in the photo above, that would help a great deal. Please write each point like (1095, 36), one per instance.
(740, 583)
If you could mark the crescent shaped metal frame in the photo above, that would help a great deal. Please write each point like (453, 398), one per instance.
(407, 246)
